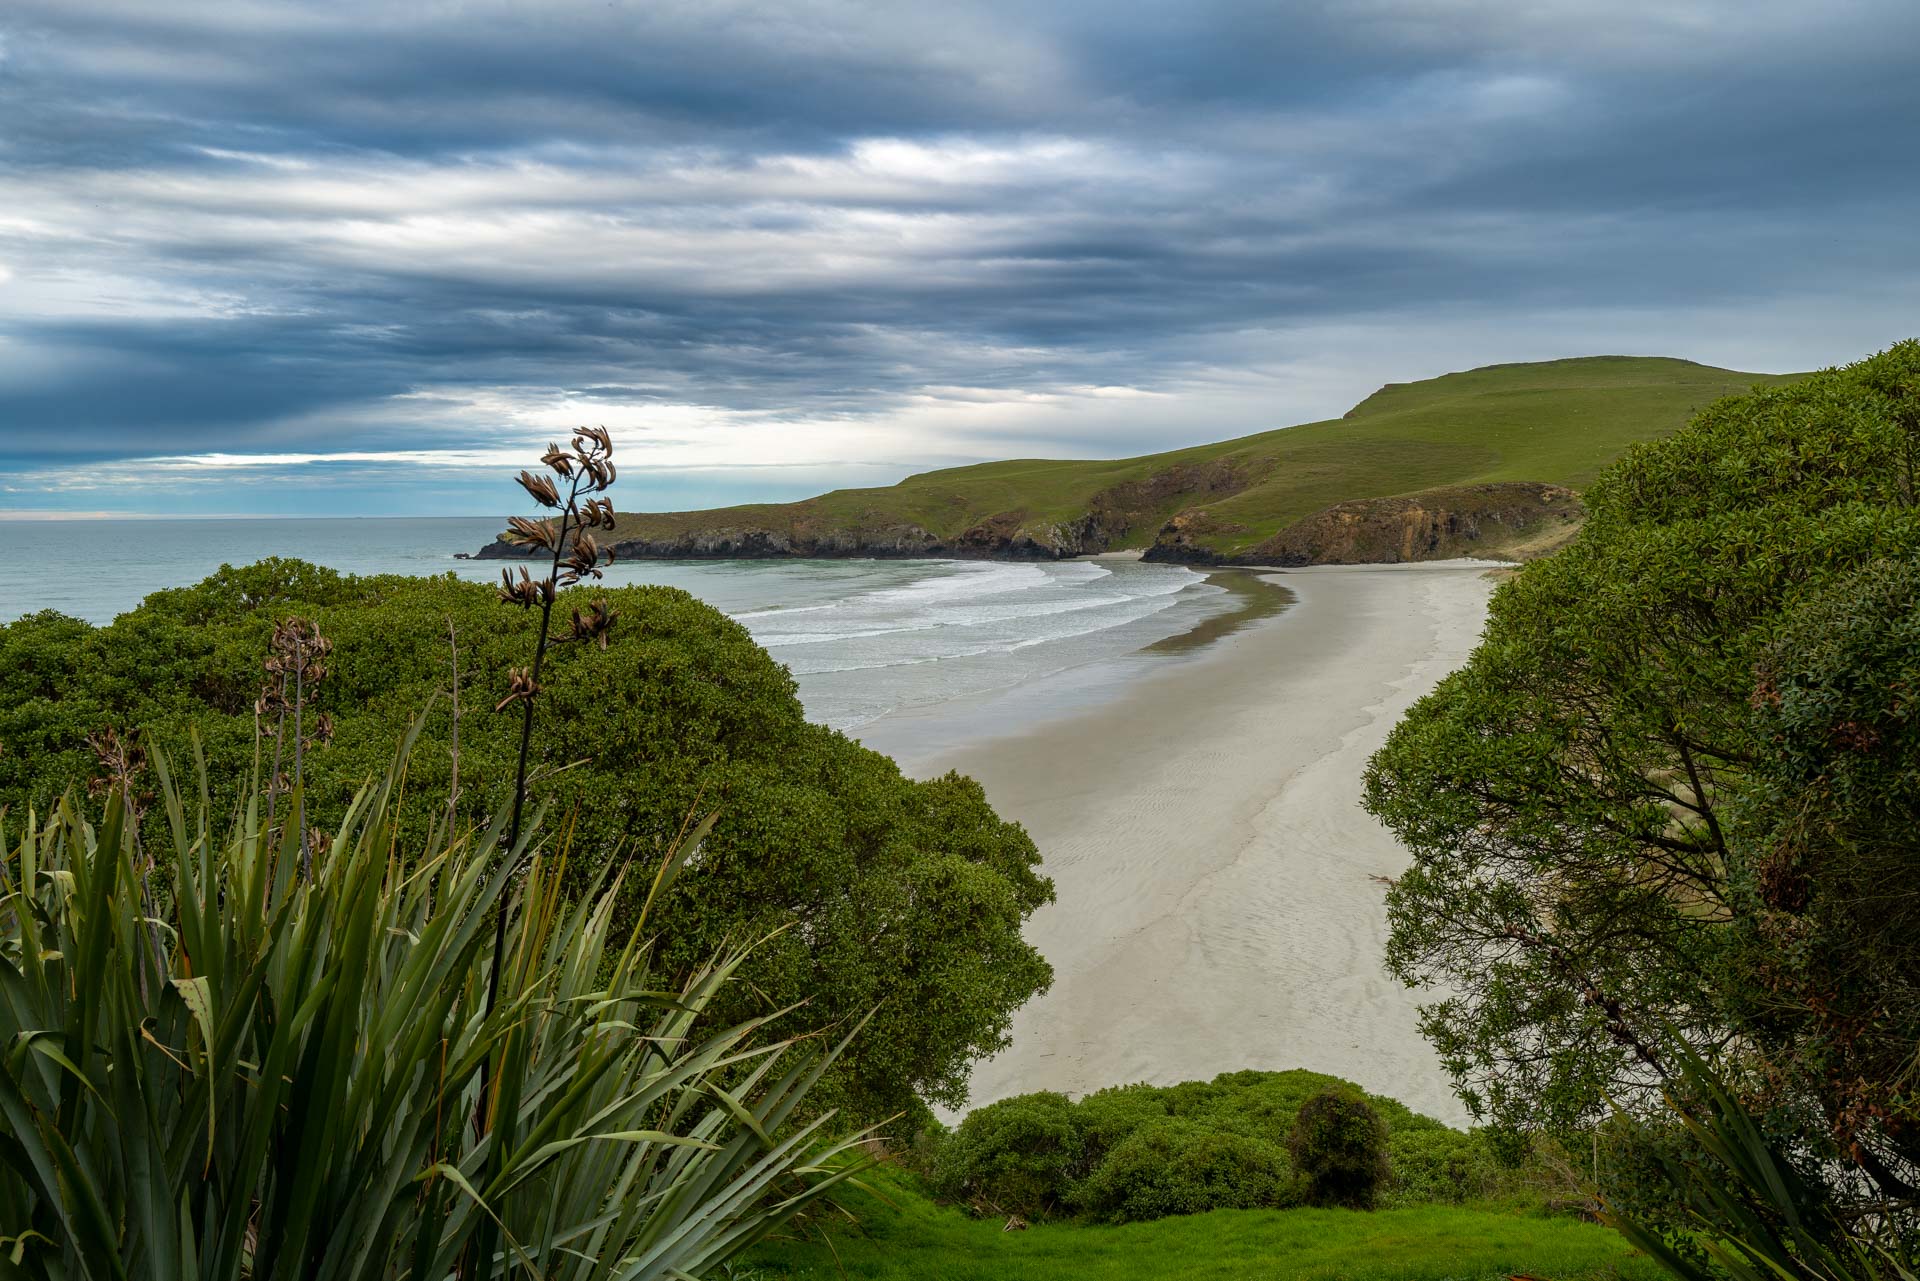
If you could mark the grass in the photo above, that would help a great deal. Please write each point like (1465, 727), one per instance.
(909, 1238)
(1555, 421)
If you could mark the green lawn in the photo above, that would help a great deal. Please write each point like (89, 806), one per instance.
(1555, 421)
(914, 1240)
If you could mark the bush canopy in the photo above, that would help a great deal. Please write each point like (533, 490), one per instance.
(1674, 792)
(871, 891)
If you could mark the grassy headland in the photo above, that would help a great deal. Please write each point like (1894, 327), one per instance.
(1481, 460)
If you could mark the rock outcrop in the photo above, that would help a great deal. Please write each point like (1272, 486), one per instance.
(1112, 514)
(1515, 520)
(747, 542)
(998, 538)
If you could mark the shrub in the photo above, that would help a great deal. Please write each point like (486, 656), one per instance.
(1103, 1119)
(239, 1072)
(890, 893)
(1016, 1156)
(1037, 1153)
(1175, 1167)
(1339, 1147)
(1431, 1162)
(1259, 1104)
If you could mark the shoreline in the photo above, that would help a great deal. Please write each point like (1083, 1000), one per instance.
(1219, 898)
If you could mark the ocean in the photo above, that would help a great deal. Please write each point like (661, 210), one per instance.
(865, 639)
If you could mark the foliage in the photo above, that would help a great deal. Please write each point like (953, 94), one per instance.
(1339, 1145)
(1176, 1167)
(1433, 1163)
(1017, 1156)
(897, 1233)
(1822, 969)
(275, 1076)
(1142, 1150)
(1755, 1217)
(904, 895)
(1105, 1118)
(1697, 705)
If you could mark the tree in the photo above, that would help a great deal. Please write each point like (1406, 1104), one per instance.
(1823, 967)
(1596, 803)
(876, 890)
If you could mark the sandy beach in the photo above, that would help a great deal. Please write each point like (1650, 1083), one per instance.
(1220, 903)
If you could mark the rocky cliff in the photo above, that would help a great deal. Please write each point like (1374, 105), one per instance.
(1516, 520)
(998, 538)
(1112, 515)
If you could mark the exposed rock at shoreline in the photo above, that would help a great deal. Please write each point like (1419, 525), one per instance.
(996, 539)
(1515, 520)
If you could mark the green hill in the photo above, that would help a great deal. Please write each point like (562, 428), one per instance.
(1488, 460)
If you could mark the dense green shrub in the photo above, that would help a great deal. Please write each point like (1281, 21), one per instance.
(1017, 1156)
(1104, 1119)
(1430, 1162)
(1136, 1151)
(1339, 1146)
(1176, 1167)
(886, 892)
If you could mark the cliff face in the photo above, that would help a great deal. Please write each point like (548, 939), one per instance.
(1515, 520)
(998, 538)
(1112, 514)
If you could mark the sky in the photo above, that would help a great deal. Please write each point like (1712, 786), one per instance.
(360, 257)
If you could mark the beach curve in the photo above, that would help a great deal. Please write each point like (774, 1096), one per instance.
(1220, 890)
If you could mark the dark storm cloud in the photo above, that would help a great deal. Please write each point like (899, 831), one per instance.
(240, 227)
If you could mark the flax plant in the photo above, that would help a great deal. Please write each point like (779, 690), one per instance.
(283, 1089)
(1756, 1217)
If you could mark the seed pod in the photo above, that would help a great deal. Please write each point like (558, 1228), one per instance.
(540, 488)
(519, 686)
(531, 533)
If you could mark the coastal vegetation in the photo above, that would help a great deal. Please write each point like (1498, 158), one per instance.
(1243, 1140)
(1476, 461)
(875, 889)
(1667, 810)
(250, 1059)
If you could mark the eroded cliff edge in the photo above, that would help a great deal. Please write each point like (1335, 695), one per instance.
(1514, 520)
(1510, 520)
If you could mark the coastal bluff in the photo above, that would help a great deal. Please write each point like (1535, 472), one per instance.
(1512, 520)
(1485, 463)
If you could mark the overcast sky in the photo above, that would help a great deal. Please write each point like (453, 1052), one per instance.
(362, 256)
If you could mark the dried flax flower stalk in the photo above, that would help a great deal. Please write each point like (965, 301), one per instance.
(122, 762)
(296, 657)
(577, 478)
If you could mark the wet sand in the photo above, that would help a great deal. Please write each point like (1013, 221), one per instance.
(1220, 902)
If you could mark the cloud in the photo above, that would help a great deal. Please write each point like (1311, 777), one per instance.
(369, 245)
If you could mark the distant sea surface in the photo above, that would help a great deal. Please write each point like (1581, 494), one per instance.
(864, 638)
